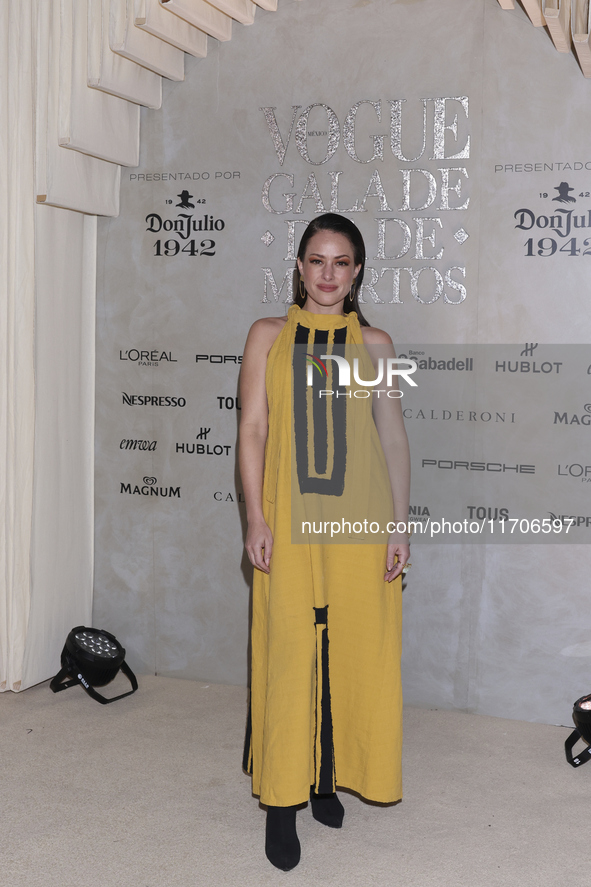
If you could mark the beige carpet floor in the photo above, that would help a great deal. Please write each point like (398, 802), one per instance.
(148, 792)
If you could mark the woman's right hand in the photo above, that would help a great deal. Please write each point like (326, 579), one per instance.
(259, 544)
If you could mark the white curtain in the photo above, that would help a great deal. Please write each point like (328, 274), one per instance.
(17, 374)
(47, 280)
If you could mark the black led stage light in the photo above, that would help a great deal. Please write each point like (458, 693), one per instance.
(582, 719)
(92, 658)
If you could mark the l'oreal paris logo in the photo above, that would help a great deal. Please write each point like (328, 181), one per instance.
(394, 366)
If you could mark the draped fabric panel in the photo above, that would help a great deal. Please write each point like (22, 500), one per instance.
(152, 17)
(241, 10)
(567, 23)
(557, 15)
(64, 178)
(113, 73)
(581, 34)
(534, 10)
(140, 46)
(202, 15)
(63, 476)
(47, 257)
(17, 282)
(89, 120)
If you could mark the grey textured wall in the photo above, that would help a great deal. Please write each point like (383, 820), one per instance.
(498, 629)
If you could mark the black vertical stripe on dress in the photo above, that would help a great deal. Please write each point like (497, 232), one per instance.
(300, 403)
(325, 772)
(247, 757)
(339, 411)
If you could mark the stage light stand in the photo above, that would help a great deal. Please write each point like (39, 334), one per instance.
(92, 657)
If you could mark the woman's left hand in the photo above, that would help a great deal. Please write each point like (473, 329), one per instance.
(394, 568)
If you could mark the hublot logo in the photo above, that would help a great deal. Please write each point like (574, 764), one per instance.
(528, 366)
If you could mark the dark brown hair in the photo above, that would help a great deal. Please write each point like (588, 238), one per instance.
(340, 225)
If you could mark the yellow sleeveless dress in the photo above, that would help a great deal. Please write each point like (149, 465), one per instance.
(325, 699)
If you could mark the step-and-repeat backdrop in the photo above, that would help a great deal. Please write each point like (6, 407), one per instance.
(447, 133)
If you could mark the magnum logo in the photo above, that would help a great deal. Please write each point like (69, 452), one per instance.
(150, 487)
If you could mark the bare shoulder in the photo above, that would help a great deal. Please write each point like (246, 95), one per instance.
(264, 331)
(373, 336)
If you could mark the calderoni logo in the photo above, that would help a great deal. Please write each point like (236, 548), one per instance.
(145, 445)
(149, 487)
(448, 364)
(225, 496)
(461, 465)
(459, 415)
(143, 357)
(566, 418)
(150, 400)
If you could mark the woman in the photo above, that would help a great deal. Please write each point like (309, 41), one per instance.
(325, 702)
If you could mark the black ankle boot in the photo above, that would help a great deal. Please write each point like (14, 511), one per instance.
(281, 844)
(327, 809)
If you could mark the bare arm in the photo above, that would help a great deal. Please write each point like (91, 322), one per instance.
(390, 424)
(253, 436)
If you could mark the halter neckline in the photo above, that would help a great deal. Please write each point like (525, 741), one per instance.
(322, 321)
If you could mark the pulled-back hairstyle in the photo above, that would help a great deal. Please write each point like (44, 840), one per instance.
(340, 225)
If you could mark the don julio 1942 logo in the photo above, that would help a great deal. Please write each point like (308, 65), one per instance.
(561, 224)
